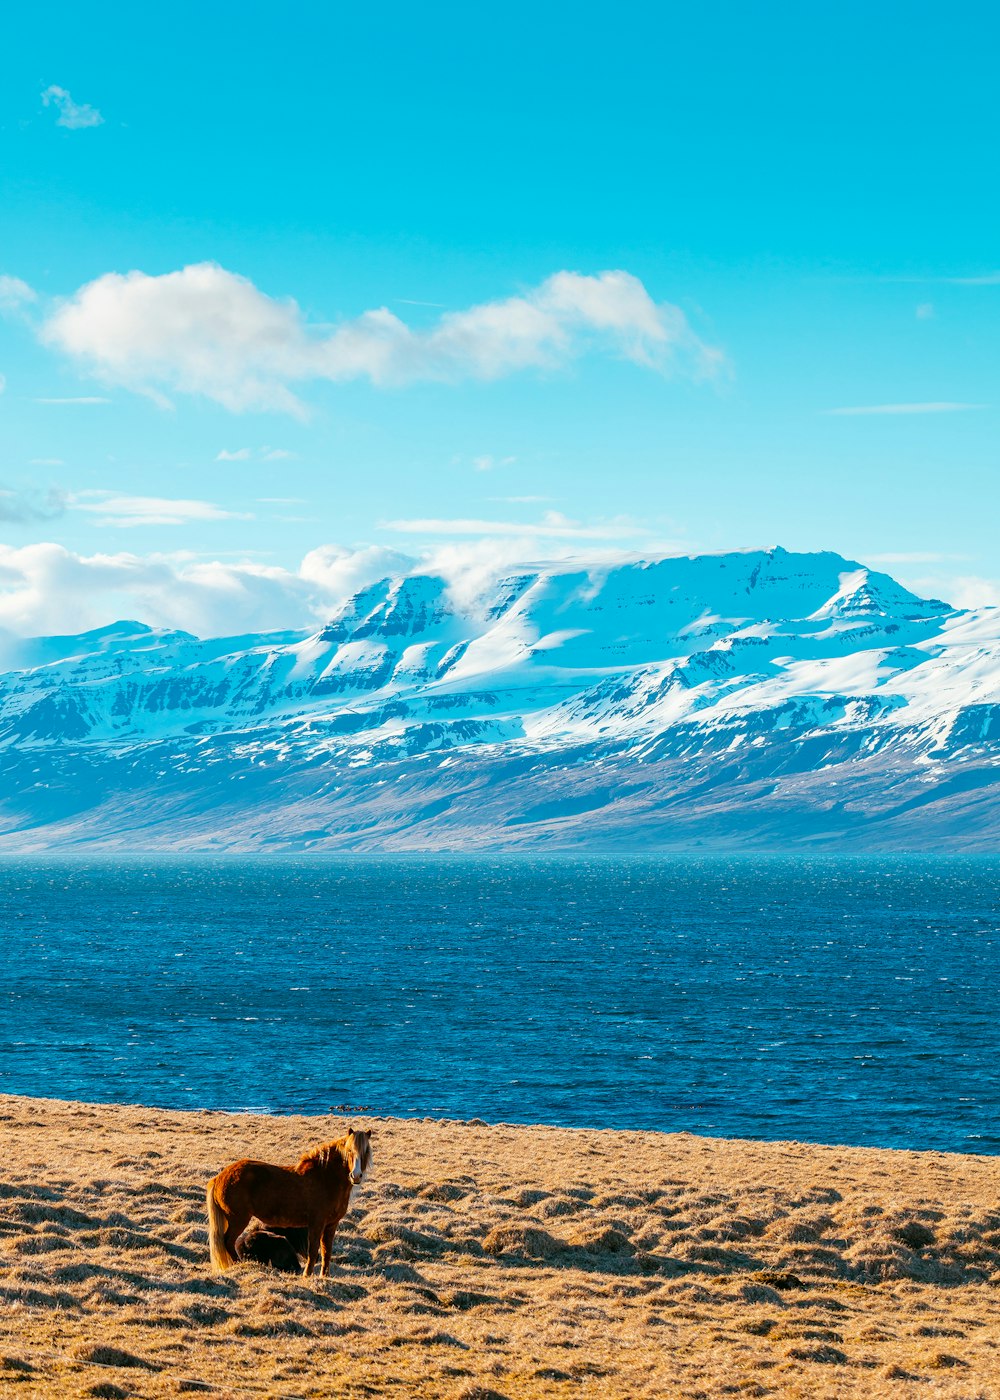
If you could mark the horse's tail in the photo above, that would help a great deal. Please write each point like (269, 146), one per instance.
(218, 1223)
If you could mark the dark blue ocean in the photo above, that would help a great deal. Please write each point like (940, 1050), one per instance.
(845, 1000)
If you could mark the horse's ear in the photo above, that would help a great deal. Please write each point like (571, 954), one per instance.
(369, 1132)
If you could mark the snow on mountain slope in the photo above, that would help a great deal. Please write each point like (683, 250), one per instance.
(733, 697)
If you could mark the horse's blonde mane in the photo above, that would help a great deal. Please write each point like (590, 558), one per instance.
(322, 1152)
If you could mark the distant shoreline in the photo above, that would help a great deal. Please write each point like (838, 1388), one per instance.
(361, 1112)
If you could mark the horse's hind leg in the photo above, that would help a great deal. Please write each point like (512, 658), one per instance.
(327, 1248)
(315, 1235)
(235, 1226)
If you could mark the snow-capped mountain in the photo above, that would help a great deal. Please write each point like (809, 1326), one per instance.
(753, 698)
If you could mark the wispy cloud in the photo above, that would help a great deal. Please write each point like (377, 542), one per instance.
(913, 557)
(15, 295)
(74, 115)
(243, 454)
(125, 512)
(867, 410)
(203, 330)
(961, 590)
(553, 526)
(925, 311)
(84, 399)
(972, 591)
(976, 279)
(983, 279)
(487, 463)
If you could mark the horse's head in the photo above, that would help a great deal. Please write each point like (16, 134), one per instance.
(358, 1153)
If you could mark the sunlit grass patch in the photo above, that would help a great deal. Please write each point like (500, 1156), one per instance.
(485, 1262)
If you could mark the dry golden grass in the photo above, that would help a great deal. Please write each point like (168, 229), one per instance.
(483, 1262)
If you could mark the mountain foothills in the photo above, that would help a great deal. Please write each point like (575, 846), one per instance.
(753, 699)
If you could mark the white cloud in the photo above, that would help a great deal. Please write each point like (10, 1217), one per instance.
(553, 526)
(204, 330)
(128, 511)
(15, 294)
(88, 399)
(3, 383)
(984, 279)
(46, 588)
(925, 311)
(74, 115)
(961, 591)
(339, 573)
(944, 407)
(912, 557)
(243, 454)
(970, 591)
(471, 567)
(981, 279)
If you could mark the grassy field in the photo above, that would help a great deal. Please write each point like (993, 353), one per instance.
(484, 1262)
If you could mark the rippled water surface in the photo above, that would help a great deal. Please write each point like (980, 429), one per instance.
(851, 1000)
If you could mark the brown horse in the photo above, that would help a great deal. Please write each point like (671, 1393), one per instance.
(314, 1194)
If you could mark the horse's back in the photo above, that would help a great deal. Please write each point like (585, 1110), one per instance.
(249, 1171)
(269, 1191)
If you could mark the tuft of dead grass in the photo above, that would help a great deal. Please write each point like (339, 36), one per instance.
(496, 1263)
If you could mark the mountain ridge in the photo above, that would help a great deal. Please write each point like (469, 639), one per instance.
(758, 698)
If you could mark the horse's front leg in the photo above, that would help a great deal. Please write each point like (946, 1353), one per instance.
(315, 1235)
(328, 1234)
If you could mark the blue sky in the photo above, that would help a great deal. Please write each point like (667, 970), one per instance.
(801, 201)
